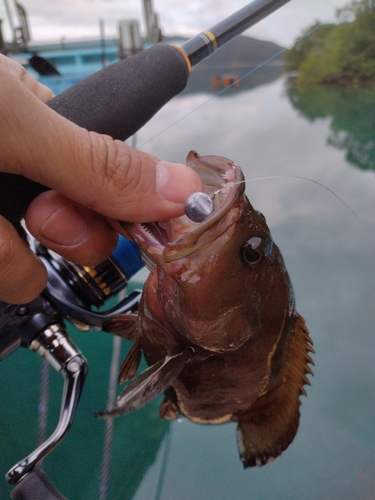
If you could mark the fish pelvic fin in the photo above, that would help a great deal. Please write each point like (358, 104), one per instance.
(148, 385)
(130, 364)
(271, 423)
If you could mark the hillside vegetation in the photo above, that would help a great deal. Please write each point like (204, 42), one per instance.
(341, 53)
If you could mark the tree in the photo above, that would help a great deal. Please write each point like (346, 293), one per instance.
(312, 37)
(338, 53)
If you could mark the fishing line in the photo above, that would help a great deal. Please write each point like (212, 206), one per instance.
(249, 73)
(304, 179)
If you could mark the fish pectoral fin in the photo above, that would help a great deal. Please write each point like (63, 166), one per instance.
(123, 325)
(271, 423)
(169, 407)
(130, 364)
(148, 385)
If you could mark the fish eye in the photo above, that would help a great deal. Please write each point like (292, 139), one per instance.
(251, 253)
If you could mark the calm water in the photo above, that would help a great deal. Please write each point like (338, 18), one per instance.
(326, 135)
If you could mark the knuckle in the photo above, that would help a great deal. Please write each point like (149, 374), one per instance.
(22, 275)
(7, 253)
(116, 169)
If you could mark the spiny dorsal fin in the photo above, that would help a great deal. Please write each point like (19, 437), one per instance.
(130, 364)
(271, 424)
(148, 385)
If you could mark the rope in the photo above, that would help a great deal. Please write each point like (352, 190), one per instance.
(163, 469)
(108, 433)
(43, 403)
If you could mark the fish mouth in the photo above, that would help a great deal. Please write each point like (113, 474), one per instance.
(179, 237)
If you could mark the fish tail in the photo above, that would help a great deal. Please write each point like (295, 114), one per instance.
(265, 436)
(268, 428)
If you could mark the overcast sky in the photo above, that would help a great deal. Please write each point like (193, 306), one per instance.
(53, 19)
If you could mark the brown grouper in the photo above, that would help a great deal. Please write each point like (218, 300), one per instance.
(217, 323)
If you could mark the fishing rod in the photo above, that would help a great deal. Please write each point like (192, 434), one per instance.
(206, 43)
(116, 101)
(121, 98)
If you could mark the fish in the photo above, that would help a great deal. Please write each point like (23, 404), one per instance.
(217, 322)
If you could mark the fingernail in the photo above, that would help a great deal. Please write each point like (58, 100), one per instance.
(175, 182)
(72, 226)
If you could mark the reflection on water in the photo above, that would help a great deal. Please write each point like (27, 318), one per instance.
(352, 114)
(330, 257)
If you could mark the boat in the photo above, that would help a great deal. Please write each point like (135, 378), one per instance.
(224, 81)
(71, 57)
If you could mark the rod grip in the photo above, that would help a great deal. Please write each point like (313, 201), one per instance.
(36, 485)
(116, 101)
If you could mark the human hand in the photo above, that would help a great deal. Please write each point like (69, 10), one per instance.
(95, 182)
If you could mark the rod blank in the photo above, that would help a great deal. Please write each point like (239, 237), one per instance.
(205, 43)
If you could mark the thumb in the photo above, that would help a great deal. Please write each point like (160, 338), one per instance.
(91, 169)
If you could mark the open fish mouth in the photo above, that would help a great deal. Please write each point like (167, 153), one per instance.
(176, 238)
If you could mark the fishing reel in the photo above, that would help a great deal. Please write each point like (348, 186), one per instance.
(75, 293)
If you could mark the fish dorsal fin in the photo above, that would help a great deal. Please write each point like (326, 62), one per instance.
(271, 424)
(148, 385)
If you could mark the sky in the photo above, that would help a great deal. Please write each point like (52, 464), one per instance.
(72, 19)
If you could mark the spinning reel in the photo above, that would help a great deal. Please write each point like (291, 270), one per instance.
(72, 292)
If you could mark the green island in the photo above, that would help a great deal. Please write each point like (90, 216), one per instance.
(340, 53)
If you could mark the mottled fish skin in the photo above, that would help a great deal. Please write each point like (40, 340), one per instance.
(220, 289)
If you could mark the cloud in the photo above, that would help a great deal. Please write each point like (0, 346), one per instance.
(51, 19)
